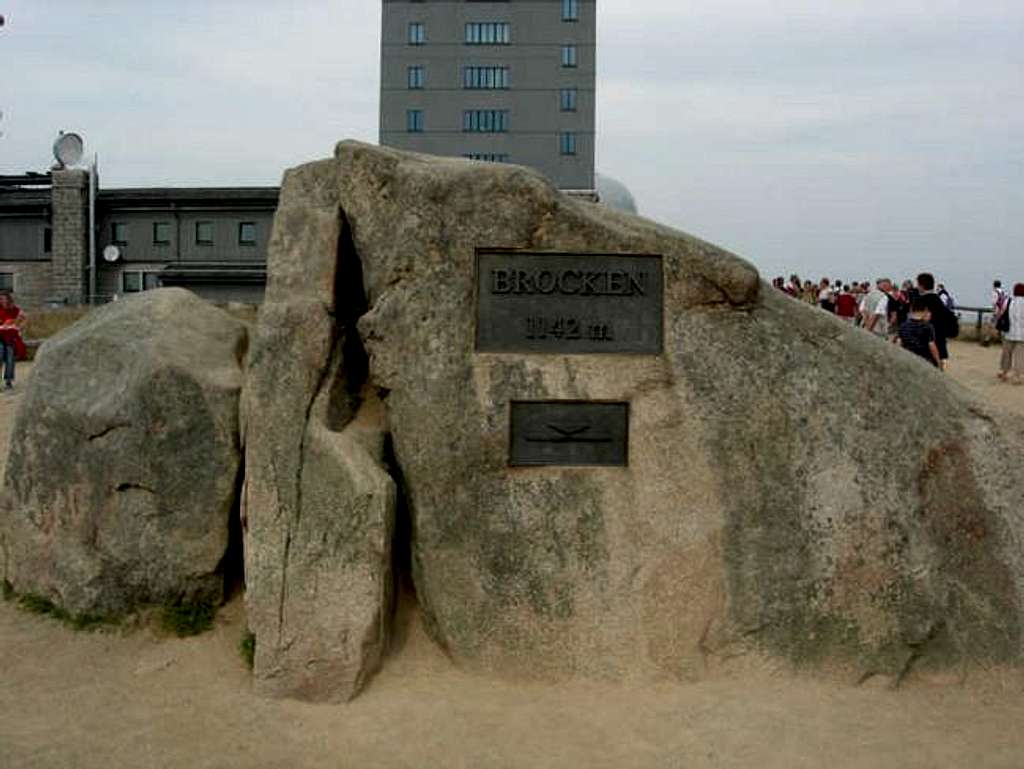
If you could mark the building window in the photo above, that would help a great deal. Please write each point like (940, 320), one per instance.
(570, 10)
(131, 282)
(568, 99)
(568, 141)
(119, 233)
(417, 33)
(204, 233)
(134, 281)
(485, 77)
(487, 157)
(488, 33)
(488, 121)
(414, 121)
(247, 233)
(416, 76)
(47, 240)
(161, 233)
(568, 55)
(6, 281)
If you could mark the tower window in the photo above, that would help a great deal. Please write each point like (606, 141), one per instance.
(485, 120)
(414, 121)
(488, 33)
(568, 143)
(487, 157)
(485, 77)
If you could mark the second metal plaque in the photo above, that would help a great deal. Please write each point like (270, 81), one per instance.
(569, 433)
(568, 303)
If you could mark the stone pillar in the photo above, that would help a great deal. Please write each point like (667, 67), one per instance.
(70, 259)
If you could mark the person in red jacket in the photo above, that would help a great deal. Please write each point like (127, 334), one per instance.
(12, 346)
(846, 305)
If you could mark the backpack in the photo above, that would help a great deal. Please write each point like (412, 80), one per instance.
(950, 323)
(1003, 321)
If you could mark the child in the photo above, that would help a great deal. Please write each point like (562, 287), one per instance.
(917, 333)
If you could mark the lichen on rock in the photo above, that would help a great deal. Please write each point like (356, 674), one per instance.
(125, 457)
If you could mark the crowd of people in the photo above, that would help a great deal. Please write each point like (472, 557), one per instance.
(917, 315)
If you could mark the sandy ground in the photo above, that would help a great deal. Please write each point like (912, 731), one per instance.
(137, 699)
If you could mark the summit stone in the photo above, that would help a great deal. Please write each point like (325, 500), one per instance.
(778, 486)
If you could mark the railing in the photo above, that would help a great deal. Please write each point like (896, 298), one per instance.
(979, 323)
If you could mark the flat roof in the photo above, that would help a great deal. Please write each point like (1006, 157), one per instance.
(17, 198)
(135, 196)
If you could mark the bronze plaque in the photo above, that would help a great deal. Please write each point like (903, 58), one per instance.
(569, 433)
(568, 303)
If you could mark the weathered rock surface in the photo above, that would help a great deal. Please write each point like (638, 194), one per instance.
(319, 505)
(795, 488)
(125, 458)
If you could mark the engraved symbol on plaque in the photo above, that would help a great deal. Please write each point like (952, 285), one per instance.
(559, 434)
(568, 433)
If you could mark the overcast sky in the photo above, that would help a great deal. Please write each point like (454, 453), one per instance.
(840, 138)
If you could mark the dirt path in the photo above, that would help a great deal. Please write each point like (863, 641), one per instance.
(140, 701)
(99, 700)
(975, 367)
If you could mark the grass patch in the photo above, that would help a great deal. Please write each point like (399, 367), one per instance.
(188, 618)
(42, 324)
(35, 604)
(247, 649)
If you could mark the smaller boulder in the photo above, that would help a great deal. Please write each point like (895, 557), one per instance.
(125, 457)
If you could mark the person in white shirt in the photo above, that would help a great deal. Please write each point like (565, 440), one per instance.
(826, 300)
(1013, 337)
(998, 296)
(875, 308)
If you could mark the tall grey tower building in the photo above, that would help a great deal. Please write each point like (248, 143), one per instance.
(508, 81)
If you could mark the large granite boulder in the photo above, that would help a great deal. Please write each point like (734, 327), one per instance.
(318, 502)
(125, 459)
(795, 488)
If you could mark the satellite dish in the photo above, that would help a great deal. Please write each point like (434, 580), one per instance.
(111, 253)
(68, 149)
